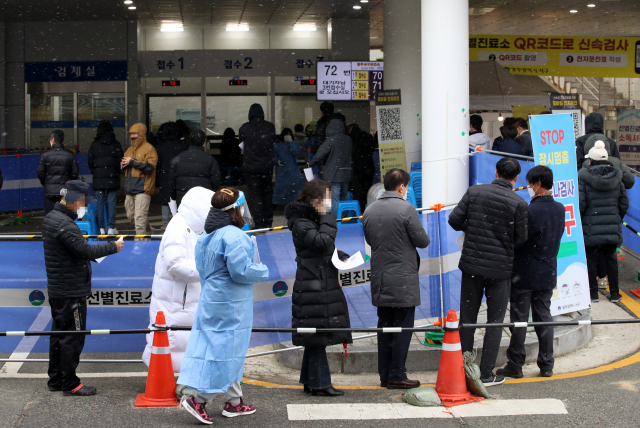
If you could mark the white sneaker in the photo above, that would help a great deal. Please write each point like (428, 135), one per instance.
(113, 232)
(102, 231)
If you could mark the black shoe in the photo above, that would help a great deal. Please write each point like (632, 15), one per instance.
(546, 373)
(615, 297)
(405, 384)
(383, 384)
(492, 380)
(81, 391)
(509, 371)
(330, 392)
(55, 388)
(306, 388)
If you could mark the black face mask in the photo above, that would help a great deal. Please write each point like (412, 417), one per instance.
(134, 138)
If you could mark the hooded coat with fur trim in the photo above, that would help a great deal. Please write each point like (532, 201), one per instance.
(603, 204)
(317, 300)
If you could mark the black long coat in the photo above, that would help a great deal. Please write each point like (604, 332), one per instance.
(318, 300)
(104, 159)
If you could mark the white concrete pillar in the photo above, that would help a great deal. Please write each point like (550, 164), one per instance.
(402, 68)
(445, 100)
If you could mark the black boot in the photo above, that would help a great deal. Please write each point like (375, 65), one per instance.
(330, 392)
(306, 388)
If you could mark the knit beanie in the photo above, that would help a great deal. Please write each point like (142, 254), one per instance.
(598, 152)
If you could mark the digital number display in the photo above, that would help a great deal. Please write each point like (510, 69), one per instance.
(349, 80)
(308, 82)
(238, 82)
(170, 83)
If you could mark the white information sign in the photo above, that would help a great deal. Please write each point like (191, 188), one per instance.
(349, 80)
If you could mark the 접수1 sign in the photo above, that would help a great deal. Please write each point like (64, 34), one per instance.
(554, 146)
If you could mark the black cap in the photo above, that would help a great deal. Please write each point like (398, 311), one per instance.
(75, 189)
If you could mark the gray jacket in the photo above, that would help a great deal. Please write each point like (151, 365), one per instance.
(393, 230)
(335, 154)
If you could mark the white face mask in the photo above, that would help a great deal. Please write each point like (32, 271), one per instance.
(82, 211)
(532, 192)
(288, 138)
(327, 205)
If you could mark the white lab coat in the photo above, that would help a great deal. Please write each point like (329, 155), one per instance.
(176, 283)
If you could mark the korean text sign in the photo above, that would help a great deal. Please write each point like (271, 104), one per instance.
(554, 146)
(559, 55)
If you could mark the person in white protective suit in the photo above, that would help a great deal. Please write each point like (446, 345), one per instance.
(176, 283)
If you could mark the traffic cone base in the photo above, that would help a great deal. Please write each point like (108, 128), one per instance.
(161, 382)
(451, 384)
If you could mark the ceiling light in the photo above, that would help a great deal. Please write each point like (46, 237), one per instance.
(364, 1)
(573, 11)
(238, 28)
(172, 28)
(132, 8)
(128, 1)
(304, 28)
(591, 5)
(357, 7)
(501, 117)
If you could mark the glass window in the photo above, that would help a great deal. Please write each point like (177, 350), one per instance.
(231, 111)
(93, 108)
(49, 112)
(170, 109)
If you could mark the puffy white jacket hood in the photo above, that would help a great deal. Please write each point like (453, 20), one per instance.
(176, 283)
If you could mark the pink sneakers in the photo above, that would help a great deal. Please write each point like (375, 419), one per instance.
(231, 411)
(197, 409)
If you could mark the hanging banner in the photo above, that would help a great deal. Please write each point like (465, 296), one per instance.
(526, 112)
(560, 55)
(390, 133)
(554, 146)
(629, 137)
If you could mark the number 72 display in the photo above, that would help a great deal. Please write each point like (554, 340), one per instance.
(349, 80)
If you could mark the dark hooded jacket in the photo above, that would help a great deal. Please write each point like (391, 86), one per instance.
(508, 145)
(494, 220)
(68, 255)
(230, 153)
(169, 147)
(628, 179)
(258, 137)
(320, 134)
(593, 124)
(56, 167)
(335, 154)
(193, 168)
(104, 159)
(603, 204)
(317, 300)
(217, 219)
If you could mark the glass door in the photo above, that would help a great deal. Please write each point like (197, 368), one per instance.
(96, 107)
(49, 112)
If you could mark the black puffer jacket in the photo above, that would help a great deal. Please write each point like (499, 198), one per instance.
(57, 166)
(593, 124)
(494, 220)
(318, 300)
(104, 159)
(193, 168)
(67, 254)
(169, 147)
(603, 204)
(258, 137)
(320, 133)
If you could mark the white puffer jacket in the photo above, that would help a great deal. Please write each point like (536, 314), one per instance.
(176, 283)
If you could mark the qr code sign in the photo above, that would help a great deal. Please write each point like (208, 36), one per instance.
(390, 124)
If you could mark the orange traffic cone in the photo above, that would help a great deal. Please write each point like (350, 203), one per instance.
(161, 383)
(451, 385)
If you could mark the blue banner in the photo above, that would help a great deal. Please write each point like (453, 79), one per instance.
(36, 124)
(554, 146)
(83, 71)
(95, 123)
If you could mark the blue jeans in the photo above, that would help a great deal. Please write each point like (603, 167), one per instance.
(110, 199)
(338, 193)
(315, 368)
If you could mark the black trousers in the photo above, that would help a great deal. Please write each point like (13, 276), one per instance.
(49, 202)
(593, 253)
(315, 368)
(260, 198)
(393, 348)
(361, 184)
(64, 351)
(497, 292)
(539, 301)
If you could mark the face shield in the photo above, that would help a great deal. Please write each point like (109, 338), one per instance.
(242, 203)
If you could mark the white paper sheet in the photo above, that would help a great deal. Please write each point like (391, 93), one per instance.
(102, 258)
(173, 206)
(256, 255)
(351, 263)
(241, 145)
(308, 173)
(460, 241)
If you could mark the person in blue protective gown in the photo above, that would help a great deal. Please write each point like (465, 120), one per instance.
(289, 180)
(214, 360)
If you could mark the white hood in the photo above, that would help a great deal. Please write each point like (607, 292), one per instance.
(195, 207)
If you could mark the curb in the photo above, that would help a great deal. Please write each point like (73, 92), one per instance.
(364, 359)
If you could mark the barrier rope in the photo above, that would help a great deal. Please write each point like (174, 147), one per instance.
(311, 330)
(433, 208)
(630, 228)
